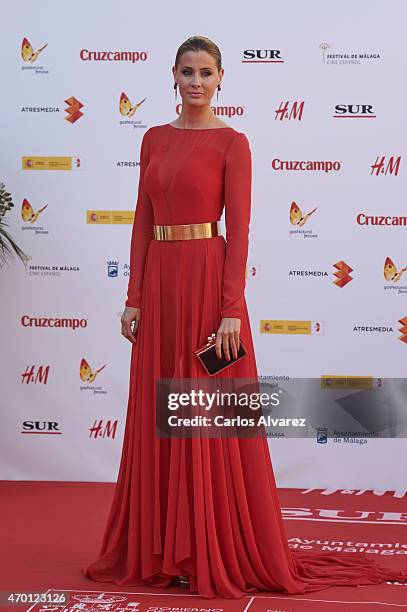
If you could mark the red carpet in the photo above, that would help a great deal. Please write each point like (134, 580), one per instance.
(50, 530)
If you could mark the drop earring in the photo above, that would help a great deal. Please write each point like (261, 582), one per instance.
(175, 87)
(217, 93)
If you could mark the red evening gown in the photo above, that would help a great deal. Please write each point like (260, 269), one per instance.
(205, 507)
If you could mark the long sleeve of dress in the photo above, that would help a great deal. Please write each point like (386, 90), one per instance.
(238, 182)
(142, 232)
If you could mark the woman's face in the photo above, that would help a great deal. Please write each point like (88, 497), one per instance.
(197, 77)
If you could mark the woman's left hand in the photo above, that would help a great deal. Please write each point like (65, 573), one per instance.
(228, 337)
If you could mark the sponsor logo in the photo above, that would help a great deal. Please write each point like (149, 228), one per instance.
(27, 52)
(393, 275)
(101, 429)
(354, 111)
(356, 492)
(284, 111)
(354, 57)
(382, 167)
(127, 164)
(31, 375)
(30, 218)
(403, 329)
(128, 109)
(322, 435)
(220, 111)
(50, 428)
(341, 516)
(86, 373)
(299, 219)
(305, 166)
(29, 57)
(113, 56)
(88, 376)
(74, 109)
(390, 271)
(113, 269)
(73, 162)
(307, 273)
(44, 270)
(110, 217)
(291, 327)
(382, 220)
(350, 382)
(378, 548)
(262, 56)
(373, 328)
(53, 322)
(40, 109)
(342, 274)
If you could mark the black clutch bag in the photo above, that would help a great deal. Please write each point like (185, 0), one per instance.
(210, 361)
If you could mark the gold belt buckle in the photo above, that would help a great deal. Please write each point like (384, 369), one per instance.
(186, 232)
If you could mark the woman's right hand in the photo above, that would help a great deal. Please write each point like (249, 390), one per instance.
(129, 315)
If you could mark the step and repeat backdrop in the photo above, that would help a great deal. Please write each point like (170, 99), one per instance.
(320, 95)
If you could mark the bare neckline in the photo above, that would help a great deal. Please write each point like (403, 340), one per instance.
(199, 129)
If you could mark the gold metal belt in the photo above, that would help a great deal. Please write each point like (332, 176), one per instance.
(186, 232)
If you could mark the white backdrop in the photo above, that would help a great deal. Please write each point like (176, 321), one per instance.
(61, 316)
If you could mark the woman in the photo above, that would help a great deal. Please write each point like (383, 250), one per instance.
(199, 508)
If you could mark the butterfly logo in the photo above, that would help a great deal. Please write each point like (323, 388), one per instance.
(390, 271)
(126, 108)
(27, 52)
(85, 372)
(296, 216)
(27, 212)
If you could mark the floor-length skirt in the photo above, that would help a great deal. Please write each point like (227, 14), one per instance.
(205, 507)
